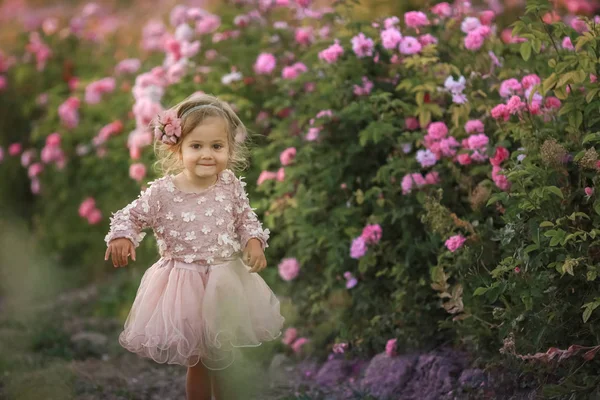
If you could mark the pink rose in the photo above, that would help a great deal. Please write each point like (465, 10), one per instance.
(411, 123)
(474, 125)
(455, 242)
(265, 63)
(437, 130)
(362, 45)
(289, 336)
(137, 171)
(390, 38)
(332, 53)
(281, 174)
(289, 269)
(442, 9)
(287, 156)
(371, 234)
(415, 19)
(35, 169)
(94, 217)
(297, 346)
(410, 45)
(589, 191)
(265, 176)
(86, 207)
(500, 156)
(390, 347)
(53, 139)
(304, 35)
(464, 159)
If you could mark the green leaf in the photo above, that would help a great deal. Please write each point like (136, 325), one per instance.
(590, 94)
(546, 224)
(597, 207)
(591, 137)
(531, 247)
(555, 190)
(480, 291)
(525, 50)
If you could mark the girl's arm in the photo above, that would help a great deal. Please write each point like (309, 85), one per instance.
(133, 218)
(247, 224)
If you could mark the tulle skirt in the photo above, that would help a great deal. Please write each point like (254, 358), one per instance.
(184, 313)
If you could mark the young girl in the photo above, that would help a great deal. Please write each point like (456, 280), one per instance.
(202, 299)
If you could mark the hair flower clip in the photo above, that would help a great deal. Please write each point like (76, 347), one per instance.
(168, 129)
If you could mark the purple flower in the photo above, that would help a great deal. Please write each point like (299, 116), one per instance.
(359, 248)
(426, 158)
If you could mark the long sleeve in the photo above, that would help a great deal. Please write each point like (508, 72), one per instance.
(247, 224)
(133, 218)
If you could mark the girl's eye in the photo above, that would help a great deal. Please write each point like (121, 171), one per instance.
(195, 146)
(217, 146)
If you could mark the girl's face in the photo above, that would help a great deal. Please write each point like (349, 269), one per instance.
(205, 150)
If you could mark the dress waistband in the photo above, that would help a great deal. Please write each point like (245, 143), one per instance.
(203, 263)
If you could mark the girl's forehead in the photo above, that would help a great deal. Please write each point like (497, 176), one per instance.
(211, 128)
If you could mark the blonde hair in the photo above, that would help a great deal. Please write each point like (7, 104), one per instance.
(167, 155)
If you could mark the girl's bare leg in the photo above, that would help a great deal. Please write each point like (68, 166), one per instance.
(198, 383)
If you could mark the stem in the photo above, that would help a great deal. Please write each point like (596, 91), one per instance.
(554, 44)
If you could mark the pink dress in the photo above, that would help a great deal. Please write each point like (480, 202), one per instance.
(198, 302)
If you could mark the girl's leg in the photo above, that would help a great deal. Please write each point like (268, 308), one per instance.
(198, 385)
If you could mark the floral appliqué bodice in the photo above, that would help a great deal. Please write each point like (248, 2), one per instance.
(191, 227)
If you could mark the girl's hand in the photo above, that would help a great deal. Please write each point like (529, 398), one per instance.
(120, 248)
(254, 256)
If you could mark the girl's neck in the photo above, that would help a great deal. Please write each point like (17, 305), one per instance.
(195, 183)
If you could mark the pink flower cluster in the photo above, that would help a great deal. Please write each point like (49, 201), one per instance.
(95, 90)
(268, 175)
(293, 71)
(128, 66)
(416, 181)
(438, 143)
(340, 348)
(499, 179)
(107, 131)
(351, 280)
(69, 112)
(168, 129)
(332, 53)
(476, 32)
(39, 49)
(475, 144)
(89, 211)
(304, 35)
(288, 268)
(365, 89)
(52, 152)
(370, 235)
(290, 338)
